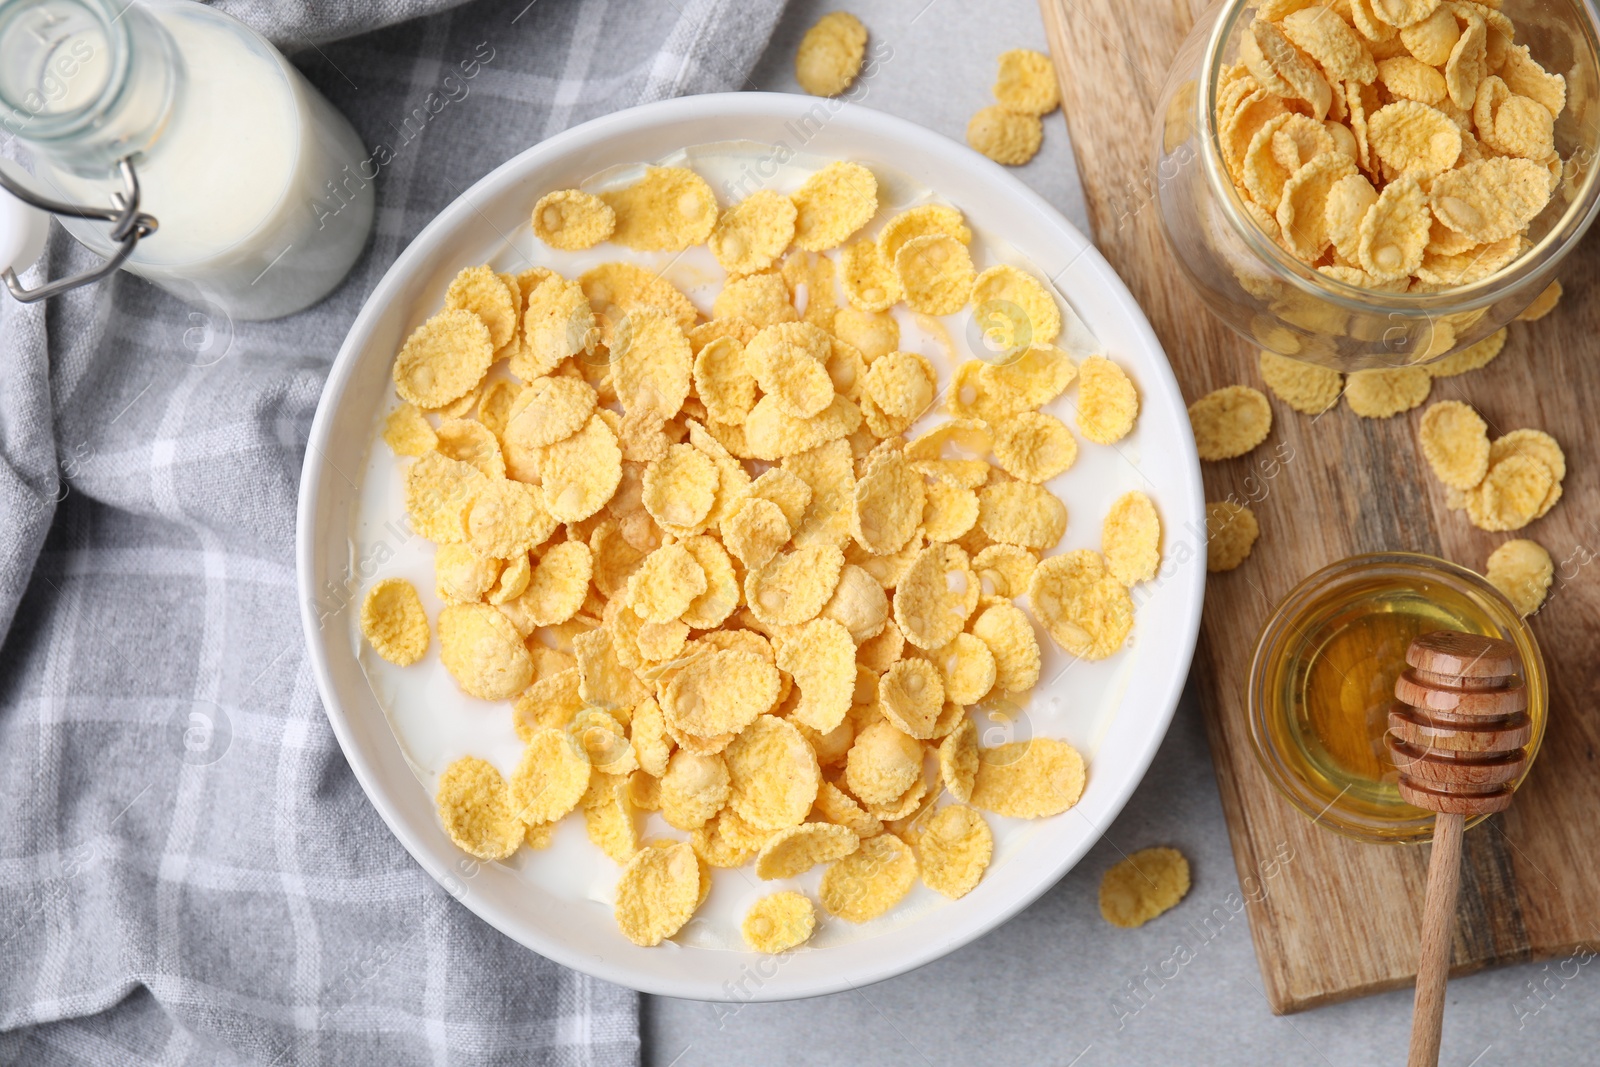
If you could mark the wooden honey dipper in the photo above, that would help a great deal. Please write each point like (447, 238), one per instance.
(1458, 735)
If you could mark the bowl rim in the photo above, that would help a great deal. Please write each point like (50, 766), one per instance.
(1133, 762)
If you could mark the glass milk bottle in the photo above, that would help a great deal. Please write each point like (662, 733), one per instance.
(252, 191)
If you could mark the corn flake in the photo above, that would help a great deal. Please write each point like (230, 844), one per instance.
(1229, 422)
(1107, 402)
(474, 804)
(1523, 571)
(657, 893)
(1383, 393)
(1511, 494)
(795, 850)
(888, 507)
(720, 692)
(774, 774)
(1231, 532)
(911, 695)
(1017, 308)
(871, 334)
(504, 518)
(571, 220)
(1022, 514)
(666, 583)
(667, 210)
(869, 881)
(967, 668)
(1491, 199)
(1306, 387)
(558, 322)
(1007, 137)
(935, 273)
(445, 358)
(821, 657)
(551, 777)
(1131, 538)
(832, 204)
(829, 56)
(693, 789)
(580, 473)
(751, 236)
(393, 622)
(625, 289)
(1028, 779)
(1142, 886)
(483, 651)
(953, 850)
(792, 587)
(407, 431)
(1027, 83)
(936, 596)
(1455, 442)
(1034, 447)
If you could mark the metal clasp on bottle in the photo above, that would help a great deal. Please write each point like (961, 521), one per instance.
(128, 225)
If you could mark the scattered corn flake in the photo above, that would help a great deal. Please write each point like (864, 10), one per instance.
(1306, 387)
(832, 204)
(911, 695)
(1383, 393)
(462, 575)
(967, 668)
(472, 442)
(1491, 199)
(1411, 137)
(1016, 307)
(1455, 442)
(1284, 69)
(557, 323)
(549, 703)
(953, 850)
(830, 54)
(1007, 137)
(1394, 231)
(897, 389)
(869, 881)
(651, 364)
(571, 220)
(1511, 494)
(483, 652)
(558, 585)
(505, 517)
(948, 511)
(774, 774)
(625, 289)
(770, 433)
(667, 210)
(792, 587)
(657, 893)
(693, 789)
(482, 292)
(1107, 402)
(474, 804)
(1140, 887)
(548, 410)
(1231, 532)
(779, 922)
(407, 432)
(445, 358)
(723, 380)
(551, 777)
(393, 622)
(666, 583)
(922, 221)
(796, 849)
(720, 692)
(1003, 570)
(1023, 514)
(871, 334)
(821, 657)
(788, 363)
(1131, 538)
(579, 474)
(759, 299)
(1034, 447)
(870, 283)
(755, 532)
(751, 235)
(1540, 446)
(1081, 604)
(888, 504)
(883, 763)
(935, 596)
(1028, 779)
(935, 273)
(1473, 357)
(1229, 422)
(1523, 571)
(1027, 83)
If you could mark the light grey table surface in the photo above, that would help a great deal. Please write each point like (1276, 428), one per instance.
(1052, 985)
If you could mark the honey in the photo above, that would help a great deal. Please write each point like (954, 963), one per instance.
(1323, 681)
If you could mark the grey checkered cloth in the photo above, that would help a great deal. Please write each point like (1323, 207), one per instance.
(189, 873)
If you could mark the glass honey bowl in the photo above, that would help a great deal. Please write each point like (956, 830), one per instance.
(1322, 681)
(1279, 303)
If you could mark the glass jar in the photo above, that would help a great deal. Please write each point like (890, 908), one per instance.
(259, 186)
(1279, 303)
(1322, 681)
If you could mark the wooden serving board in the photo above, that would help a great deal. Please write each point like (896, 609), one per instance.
(1340, 918)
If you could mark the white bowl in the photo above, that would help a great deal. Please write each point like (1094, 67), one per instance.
(1159, 456)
